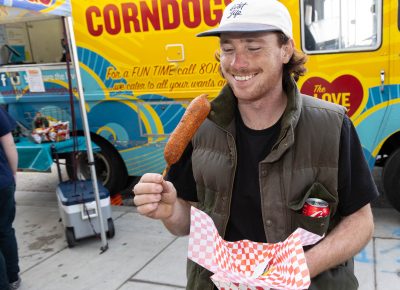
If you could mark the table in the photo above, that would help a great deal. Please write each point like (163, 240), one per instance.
(39, 157)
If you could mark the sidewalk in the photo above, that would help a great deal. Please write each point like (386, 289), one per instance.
(141, 255)
(144, 256)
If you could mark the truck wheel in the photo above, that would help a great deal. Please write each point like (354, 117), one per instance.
(110, 169)
(70, 236)
(391, 179)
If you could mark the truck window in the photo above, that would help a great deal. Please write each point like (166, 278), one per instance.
(39, 41)
(46, 47)
(340, 25)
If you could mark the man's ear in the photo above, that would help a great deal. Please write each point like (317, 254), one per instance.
(287, 51)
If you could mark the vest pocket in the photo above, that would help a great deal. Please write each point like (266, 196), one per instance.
(315, 225)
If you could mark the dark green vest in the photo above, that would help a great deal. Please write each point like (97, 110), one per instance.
(302, 163)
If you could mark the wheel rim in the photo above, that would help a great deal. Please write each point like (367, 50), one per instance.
(103, 169)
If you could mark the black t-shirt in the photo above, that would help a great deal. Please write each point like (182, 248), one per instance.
(252, 147)
(356, 187)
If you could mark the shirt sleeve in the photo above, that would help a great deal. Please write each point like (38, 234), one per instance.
(356, 185)
(181, 175)
(7, 124)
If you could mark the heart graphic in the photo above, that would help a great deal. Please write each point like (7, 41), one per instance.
(345, 90)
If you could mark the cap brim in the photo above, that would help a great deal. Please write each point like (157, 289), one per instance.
(238, 27)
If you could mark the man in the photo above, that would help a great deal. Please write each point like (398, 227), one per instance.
(263, 150)
(9, 269)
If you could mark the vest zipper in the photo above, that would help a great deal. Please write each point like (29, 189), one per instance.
(261, 197)
(284, 199)
(282, 137)
(233, 152)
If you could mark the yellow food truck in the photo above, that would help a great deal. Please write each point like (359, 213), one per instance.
(141, 64)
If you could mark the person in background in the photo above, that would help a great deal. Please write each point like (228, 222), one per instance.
(264, 149)
(9, 267)
(39, 121)
(65, 51)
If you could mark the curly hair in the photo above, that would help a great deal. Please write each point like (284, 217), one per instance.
(295, 67)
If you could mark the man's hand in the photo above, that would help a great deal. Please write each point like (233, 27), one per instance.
(157, 199)
(345, 241)
(154, 197)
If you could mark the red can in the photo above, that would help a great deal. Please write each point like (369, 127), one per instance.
(315, 207)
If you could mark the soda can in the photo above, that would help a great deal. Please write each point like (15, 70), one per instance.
(315, 207)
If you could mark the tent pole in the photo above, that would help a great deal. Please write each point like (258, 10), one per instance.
(75, 60)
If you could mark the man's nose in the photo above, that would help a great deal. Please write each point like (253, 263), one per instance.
(239, 60)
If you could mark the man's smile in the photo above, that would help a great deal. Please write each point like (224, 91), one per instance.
(243, 77)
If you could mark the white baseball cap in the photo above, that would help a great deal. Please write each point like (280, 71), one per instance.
(253, 16)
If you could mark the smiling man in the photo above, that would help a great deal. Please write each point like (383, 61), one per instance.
(264, 150)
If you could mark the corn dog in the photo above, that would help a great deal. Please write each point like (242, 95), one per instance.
(195, 114)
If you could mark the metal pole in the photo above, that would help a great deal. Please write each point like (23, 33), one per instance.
(74, 58)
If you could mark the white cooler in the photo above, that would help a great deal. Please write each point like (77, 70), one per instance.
(78, 211)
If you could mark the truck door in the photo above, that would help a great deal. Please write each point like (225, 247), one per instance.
(348, 46)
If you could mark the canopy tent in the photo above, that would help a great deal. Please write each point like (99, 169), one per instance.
(55, 7)
(25, 10)
(12, 11)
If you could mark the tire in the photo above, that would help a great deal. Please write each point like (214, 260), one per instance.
(111, 229)
(391, 179)
(70, 236)
(110, 169)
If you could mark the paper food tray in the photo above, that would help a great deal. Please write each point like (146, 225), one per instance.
(241, 264)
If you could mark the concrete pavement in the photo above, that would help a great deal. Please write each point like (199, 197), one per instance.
(143, 255)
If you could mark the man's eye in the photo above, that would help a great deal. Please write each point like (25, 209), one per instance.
(227, 50)
(254, 48)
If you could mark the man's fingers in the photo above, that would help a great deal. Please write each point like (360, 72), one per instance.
(151, 177)
(147, 209)
(149, 183)
(142, 199)
(154, 197)
(169, 192)
(147, 188)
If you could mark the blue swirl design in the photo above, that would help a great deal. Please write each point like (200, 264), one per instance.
(381, 123)
(170, 114)
(375, 97)
(147, 158)
(140, 153)
(99, 66)
(121, 125)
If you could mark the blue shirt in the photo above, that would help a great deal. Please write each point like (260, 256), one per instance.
(7, 125)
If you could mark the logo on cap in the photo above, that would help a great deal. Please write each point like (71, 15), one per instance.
(236, 10)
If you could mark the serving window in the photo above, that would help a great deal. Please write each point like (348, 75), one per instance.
(329, 26)
(38, 42)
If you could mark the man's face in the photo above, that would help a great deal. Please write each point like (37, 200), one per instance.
(252, 63)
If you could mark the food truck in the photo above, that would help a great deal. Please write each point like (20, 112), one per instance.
(142, 63)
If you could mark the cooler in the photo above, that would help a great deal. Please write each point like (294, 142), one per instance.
(78, 210)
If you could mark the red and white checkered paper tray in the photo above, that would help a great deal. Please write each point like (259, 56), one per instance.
(241, 265)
